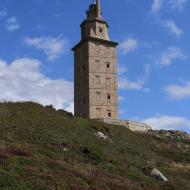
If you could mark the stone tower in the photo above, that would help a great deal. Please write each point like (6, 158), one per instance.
(95, 69)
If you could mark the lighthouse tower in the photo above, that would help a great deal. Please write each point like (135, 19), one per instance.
(95, 69)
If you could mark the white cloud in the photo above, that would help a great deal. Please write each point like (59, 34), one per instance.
(177, 4)
(3, 13)
(168, 122)
(138, 84)
(125, 84)
(52, 47)
(172, 27)
(121, 70)
(12, 24)
(129, 45)
(22, 80)
(156, 5)
(170, 55)
(121, 98)
(178, 91)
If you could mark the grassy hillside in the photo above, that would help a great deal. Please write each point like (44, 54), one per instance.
(45, 149)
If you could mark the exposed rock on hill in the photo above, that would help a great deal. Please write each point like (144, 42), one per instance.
(177, 135)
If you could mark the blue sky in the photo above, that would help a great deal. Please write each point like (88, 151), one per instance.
(36, 62)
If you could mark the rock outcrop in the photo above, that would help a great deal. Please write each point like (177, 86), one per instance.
(157, 174)
(154, 172)
(101, 135)
(177, 135)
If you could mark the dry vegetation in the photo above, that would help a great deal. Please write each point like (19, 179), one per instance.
(45, 149)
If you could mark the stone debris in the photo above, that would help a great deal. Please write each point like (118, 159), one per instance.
(101, 135)
(177, 135)
(157, 174)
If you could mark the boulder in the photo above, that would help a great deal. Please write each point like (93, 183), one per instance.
(157, 174)
(101, 135)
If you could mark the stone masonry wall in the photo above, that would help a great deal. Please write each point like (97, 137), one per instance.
(102, 80)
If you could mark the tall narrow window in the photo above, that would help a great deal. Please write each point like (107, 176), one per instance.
(108, 66)
(98, 112)
(109, 97)
(97, 64)
(108, 81)
(98, 96)
(109, 114)
(98, 80)
(97, 47)
(107, 51)
(100, 30)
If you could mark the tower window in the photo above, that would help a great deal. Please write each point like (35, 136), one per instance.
(100, 30)
(108, 81)
(97, 64)
(98, 96)
(109, 97)
(108, 66)
(109, 114)
(98, 80)
(98, 112)
(97, 47)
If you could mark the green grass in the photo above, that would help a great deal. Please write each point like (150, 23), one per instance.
(45, 149)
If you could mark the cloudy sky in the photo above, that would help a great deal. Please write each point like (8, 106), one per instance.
(36, 62)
